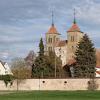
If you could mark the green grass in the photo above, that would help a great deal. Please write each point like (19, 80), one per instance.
(51, 95)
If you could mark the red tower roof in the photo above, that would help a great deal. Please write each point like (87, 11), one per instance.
(74, 28)
(52, 30)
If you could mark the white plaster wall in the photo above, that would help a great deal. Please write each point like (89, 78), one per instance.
(62, 51)
(49, 84)
(2, 69)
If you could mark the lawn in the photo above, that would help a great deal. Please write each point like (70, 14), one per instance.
(51, 95)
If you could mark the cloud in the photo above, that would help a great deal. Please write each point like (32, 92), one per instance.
(89, 12)
(24, 22)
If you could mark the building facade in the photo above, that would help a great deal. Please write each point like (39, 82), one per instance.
(52, 37)
(74, 35)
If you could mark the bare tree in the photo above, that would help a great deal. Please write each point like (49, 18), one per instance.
(19, 69)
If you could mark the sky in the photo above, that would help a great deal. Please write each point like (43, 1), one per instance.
(24, 22)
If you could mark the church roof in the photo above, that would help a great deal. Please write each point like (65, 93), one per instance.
(3, 63)
(61, 43)
(98, 58)
(52, 30)
(98, 72)
(74, 28)
(71, 61)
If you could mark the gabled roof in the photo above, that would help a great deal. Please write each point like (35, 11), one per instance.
(3, 63)
(61, 43)
(74, 28)
(52, 30)
(98, 72)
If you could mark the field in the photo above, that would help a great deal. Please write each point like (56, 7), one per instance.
(51, 95)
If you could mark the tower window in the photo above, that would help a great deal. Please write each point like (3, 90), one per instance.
(49, 48)
(72, 47)
(72, 38)
(50, 40)
(54, 39)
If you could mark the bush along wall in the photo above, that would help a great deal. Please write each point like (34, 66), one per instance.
(7, 79)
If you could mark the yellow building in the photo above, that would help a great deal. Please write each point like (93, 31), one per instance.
(74, 35)
(52, 37)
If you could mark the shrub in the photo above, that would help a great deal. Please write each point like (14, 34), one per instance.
(7, 79)
(92, 85)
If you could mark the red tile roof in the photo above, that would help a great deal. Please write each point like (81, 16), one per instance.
(97, 66)
(52, 30)
(74, 28)
(98, 58)
(98, 72)
(61, 43)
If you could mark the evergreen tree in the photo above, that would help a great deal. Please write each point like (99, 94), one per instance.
(39, 65)
(55, 62)
(85, 58)
(44, 65)
(41, 47)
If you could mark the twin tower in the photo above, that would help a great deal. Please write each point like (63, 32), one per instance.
(65, 49)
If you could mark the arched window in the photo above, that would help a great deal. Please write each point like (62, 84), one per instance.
(72, 38)
(54, 39)
(72, 47)
(49, 48)
(48, 40)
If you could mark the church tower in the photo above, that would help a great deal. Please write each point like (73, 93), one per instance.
(52, 37)
(74, 35)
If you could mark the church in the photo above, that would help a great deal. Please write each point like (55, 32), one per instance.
(65, 49)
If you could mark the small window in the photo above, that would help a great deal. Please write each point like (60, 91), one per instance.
(43, 81)
(50, 40)
(6, 72)
(65, 82)
(89, 82)
(72, 47)
(59, 56)
(72, 38)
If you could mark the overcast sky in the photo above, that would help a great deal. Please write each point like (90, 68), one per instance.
(24, 22)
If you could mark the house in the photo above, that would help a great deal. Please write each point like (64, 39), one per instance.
(98, 72)
(98, 63)
(5, 69)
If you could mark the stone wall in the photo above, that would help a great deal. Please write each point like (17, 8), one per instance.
(48, 84)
